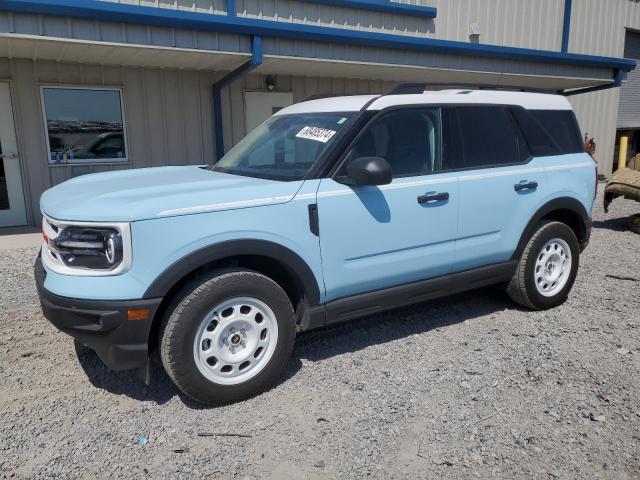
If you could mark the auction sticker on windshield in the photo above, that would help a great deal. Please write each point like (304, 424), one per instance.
(316, 133)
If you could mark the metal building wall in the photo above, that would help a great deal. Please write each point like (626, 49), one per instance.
(521, 23)
(598, 28)
(46, 26)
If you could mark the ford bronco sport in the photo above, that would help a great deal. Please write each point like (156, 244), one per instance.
(332, 209)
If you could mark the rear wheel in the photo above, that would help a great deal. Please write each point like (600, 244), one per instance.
(547, 268)
(228, 336)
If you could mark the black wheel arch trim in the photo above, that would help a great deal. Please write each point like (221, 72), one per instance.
(290, 260)
(561, 203)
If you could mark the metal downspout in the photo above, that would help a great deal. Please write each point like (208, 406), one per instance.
(253, 62)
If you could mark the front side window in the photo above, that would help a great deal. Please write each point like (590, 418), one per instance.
(284, 147)
(408, 139)
(84, 125)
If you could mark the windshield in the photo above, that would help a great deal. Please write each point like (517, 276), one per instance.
(284, 147)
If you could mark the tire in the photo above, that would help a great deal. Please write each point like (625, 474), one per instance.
(535, 283)
(202, 311)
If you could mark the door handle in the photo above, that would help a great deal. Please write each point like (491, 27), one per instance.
(436, 197)
(518, 187)
(8, 156)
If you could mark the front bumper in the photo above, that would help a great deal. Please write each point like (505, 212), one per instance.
(102, 325)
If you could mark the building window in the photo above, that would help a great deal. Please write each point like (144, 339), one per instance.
(84, 125)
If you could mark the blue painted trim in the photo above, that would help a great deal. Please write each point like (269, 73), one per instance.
(246, 67)
(566, 26)
(116, 12)
(231, 8)
(384, 6)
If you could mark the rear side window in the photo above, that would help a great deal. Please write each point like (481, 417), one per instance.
(549, 132)
(487, 136)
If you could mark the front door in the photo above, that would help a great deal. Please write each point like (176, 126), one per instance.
(12, 208)
(258, 106)
(376, 237)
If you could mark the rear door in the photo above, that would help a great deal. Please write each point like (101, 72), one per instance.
(500, 183)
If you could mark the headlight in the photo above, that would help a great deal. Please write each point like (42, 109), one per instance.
(79, 248)
(87, 247)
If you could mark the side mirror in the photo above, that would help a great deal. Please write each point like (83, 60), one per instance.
(369, 171)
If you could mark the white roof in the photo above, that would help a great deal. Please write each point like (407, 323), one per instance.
(530, 101)
(330, 104)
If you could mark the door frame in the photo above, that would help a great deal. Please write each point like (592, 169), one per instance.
(16, 215)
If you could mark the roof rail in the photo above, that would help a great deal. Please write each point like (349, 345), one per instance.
(409, 88)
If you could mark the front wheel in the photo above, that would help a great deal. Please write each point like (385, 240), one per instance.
(547, 268)
(228, 336)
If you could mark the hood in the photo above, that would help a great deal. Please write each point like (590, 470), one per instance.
(130, 195)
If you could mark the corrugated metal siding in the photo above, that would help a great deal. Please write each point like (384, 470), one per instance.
(596, 114)
(200, 6)
(79, 29)
(432, 60)
(629, 110)
(520, 23)
(598, 28)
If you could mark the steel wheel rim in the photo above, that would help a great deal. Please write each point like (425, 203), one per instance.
(553, 267)
(235, 340)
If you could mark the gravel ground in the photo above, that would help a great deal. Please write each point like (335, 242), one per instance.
(469, 386)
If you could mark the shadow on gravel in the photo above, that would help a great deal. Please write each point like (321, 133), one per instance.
(620, 224)
(316, 344)
(394, 325)
(126, 383)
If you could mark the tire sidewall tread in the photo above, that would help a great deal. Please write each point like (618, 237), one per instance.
(188, 309)
(522, 288)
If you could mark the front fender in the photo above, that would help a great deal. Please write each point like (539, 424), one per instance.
(291, 261)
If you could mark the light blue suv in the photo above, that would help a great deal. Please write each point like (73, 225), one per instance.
(332, 209)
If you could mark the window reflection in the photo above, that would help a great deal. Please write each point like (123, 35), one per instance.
(84, 125)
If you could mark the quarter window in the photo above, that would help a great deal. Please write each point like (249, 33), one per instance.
(488, 138)
(550, 132)
(407, 139)
(84, 125)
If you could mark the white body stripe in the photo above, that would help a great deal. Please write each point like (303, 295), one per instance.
(347, 191)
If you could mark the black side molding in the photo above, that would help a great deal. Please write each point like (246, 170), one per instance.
(291, 261)
(364, 304)
(566, 204)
